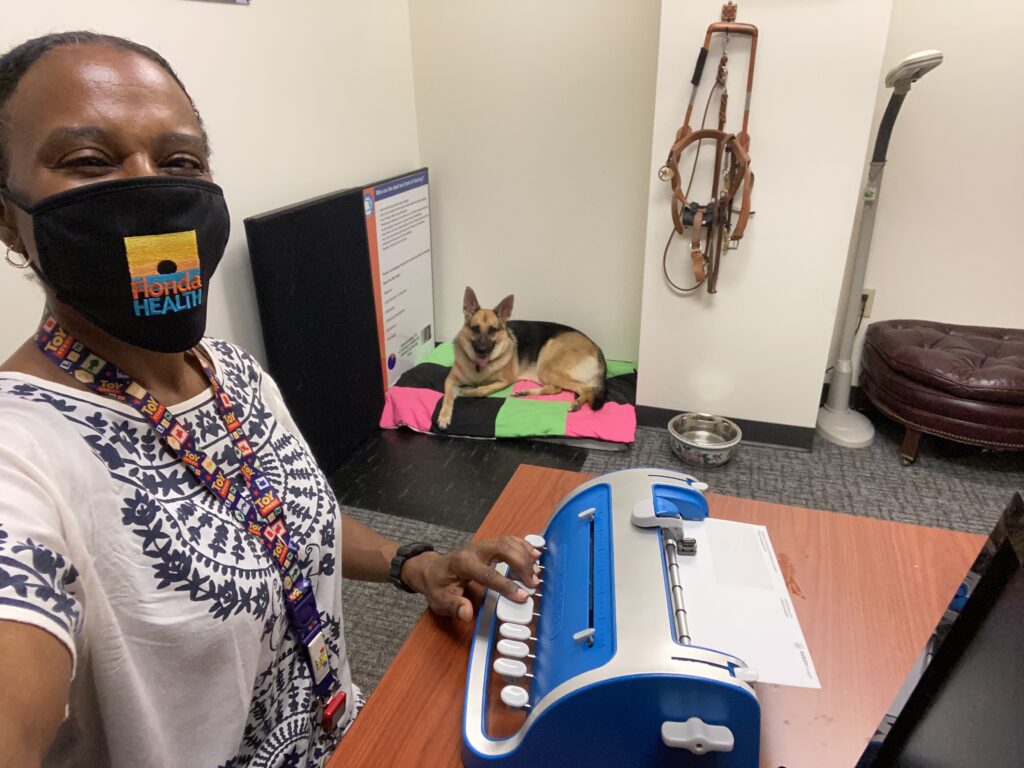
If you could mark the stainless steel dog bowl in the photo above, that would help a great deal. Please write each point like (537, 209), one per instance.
(703, 440)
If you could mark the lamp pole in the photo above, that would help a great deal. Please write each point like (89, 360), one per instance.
(837, 422)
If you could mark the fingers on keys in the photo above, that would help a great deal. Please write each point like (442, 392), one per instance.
(520, 556)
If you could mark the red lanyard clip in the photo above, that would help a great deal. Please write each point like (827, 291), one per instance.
(333, 711)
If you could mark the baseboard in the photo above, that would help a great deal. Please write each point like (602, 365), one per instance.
(755, 432)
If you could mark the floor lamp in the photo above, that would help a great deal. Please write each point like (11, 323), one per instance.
(837, 423)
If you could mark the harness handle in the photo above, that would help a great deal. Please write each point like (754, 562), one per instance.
(731, 151)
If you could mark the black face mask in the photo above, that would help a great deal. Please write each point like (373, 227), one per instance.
(135, 256)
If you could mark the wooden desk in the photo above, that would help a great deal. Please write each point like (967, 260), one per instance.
(868, 594)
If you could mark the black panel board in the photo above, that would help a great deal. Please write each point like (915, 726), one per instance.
(315, 295)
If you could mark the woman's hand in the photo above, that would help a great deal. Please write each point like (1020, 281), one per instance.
(442, 579)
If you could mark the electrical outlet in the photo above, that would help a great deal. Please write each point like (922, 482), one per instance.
(867, 301)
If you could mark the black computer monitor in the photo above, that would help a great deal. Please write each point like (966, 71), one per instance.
(963, 703)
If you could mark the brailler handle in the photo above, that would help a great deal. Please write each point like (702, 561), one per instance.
(696, 736)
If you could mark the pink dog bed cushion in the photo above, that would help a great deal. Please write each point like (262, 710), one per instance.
(414, 402)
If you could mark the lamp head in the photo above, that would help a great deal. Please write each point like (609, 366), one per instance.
(912, 69)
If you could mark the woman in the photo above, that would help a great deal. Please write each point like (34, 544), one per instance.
(169, 587)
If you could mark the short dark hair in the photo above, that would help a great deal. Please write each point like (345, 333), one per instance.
(17, 61)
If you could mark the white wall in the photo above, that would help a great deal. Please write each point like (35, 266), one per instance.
(299, 98)
(535, 120)
(755, 349)
(945, 245)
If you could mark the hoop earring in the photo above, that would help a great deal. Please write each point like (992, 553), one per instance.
(15, 264)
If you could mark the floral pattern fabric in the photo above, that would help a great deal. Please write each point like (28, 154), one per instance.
(172, 612)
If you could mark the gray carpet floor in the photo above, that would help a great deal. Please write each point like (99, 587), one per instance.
(379, 617)
(950, 486)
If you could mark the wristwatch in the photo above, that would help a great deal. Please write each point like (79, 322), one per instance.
(405, 552)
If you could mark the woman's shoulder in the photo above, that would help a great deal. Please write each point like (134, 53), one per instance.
(234, 362)
(37, 429)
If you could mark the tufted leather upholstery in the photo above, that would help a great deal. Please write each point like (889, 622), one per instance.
(961, 382)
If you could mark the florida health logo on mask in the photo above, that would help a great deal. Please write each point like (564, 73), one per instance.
(165, 273)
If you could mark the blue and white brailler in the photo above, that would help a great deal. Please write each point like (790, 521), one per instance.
(257, 507)
(613, 677)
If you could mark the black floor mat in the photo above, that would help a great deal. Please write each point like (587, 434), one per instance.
(447, 481)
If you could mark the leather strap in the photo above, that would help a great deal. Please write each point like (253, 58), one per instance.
(695, 251)
(731, 145)
(731, 151)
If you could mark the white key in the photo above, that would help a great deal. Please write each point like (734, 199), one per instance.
(535, 540)
(517, 613)
(511, 669)
(515, 697)
(528, 590)
(514, 632)
(514, 649)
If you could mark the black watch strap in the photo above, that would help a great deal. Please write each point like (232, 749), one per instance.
(405, 552)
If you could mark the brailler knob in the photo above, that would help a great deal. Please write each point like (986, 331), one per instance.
(746, 674)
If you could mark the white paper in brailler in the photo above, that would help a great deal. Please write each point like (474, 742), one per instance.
(737, 602)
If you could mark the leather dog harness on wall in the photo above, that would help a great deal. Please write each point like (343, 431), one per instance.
(711, 223)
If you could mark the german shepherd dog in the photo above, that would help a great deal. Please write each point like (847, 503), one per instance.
(493, 352)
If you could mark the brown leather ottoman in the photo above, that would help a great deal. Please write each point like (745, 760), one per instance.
(964, 383)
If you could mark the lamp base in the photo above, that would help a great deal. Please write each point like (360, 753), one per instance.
(846, 428)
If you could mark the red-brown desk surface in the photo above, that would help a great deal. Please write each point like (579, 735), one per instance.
(868, 594)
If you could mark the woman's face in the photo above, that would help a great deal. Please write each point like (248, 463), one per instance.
(88, 113)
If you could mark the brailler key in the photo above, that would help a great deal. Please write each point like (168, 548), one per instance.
(514, 632)
(526, 589)
(517, 613)
(514, 649)
(515, 697)
(512, 669)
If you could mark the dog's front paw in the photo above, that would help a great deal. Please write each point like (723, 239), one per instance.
(517, 394)
(444, 418)
(575, 406)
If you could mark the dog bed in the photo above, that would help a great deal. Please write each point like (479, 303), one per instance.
(415, 399)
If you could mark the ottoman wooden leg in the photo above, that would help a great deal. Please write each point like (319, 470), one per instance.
(908, 451)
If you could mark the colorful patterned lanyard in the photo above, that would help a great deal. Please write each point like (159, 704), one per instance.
(258, 508)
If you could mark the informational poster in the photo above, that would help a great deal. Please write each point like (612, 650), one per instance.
(398, 232)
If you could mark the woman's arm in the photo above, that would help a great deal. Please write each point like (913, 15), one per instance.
(35, 668)
(441, 578)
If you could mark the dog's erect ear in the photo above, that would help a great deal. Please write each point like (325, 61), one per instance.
(469, 303)
(504, 310)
